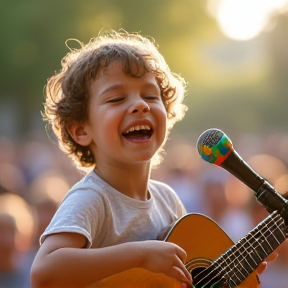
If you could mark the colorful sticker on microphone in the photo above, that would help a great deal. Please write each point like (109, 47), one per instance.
(216, 153)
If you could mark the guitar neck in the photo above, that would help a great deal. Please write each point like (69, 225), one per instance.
(239, 261)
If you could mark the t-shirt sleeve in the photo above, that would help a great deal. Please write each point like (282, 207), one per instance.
(80, 212)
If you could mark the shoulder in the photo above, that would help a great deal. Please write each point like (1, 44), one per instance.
(161, 187)
(82, 210)
(85, 199)
(166, 200)
(90, 180)
(160, 190)
(89, 188)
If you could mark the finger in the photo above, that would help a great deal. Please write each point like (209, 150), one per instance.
(271, 257)
(261, 268)
(180, 275)
(187, 276)
(181, 253)
(263, 265)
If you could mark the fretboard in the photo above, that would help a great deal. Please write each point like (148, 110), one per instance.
(239, 261)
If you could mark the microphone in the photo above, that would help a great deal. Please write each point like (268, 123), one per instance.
(215, 147)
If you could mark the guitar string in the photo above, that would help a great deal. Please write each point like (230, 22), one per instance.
(255, 247)
(217, 268)
(251, 234)
(219, 264)
(224, 272)
(250, 244)
(221, 258)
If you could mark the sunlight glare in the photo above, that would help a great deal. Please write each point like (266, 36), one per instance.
(244, 19)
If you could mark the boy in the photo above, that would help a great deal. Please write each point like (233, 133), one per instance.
(111, 108)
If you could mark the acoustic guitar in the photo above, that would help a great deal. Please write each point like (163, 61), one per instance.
(214, 261)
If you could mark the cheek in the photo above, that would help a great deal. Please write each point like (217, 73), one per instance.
(163, 113)
(165, 130)
(163, 122)
(108, 123)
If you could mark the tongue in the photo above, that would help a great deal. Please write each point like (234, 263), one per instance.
(138, 135)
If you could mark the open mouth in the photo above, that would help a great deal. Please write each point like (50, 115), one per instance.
(138, 133)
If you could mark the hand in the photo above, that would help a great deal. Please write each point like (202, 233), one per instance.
(263, 265)
(167, 258)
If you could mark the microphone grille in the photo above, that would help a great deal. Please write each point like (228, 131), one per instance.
(210, 137)
(214, 146)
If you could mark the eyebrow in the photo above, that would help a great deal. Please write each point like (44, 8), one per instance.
(151, 85)
(147, 85)
(112, 87)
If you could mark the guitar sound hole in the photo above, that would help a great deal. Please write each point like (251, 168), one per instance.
(203, 278)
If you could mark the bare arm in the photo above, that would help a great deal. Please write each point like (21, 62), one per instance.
(62, 262)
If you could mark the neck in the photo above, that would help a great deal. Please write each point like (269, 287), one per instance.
(130, 181)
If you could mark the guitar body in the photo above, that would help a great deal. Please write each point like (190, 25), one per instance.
(202, 239)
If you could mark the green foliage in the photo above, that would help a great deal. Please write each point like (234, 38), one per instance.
(33, 35)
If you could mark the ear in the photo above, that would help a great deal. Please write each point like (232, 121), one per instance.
(79, 134)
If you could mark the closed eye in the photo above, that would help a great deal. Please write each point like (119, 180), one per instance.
(114, 100)
(152, 97)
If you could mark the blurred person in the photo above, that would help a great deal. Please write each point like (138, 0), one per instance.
(267, 166)
(10, 275)
(13, 179)
(45, 194)
(16, 232)
(8, 151)
(111, 107)
(236, 218)
(37, 158)
(276, 144)
(213, 190)
(281, 185)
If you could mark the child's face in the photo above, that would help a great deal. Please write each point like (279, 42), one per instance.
(119, 106)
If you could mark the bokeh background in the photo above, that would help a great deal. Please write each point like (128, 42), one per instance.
(233, 55)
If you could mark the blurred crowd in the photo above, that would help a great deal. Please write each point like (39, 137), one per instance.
(35, 175)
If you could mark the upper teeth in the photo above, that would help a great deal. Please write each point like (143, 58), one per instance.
(138, 127)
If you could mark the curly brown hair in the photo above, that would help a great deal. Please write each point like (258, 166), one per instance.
(67, 94)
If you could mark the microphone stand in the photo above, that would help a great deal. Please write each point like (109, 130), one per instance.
(265, 192)
(272, 200)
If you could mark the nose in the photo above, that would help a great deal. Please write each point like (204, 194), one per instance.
(139, 106)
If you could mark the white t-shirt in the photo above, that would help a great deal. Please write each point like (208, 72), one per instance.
(107, 217)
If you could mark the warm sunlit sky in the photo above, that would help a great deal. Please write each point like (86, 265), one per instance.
(245, 19)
